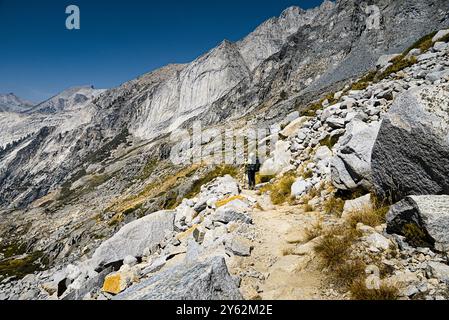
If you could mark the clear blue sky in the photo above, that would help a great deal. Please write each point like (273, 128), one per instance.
(118, 40)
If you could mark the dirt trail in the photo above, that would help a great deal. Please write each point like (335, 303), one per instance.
(280, 265)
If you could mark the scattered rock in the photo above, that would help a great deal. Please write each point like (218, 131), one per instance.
(351, 166)
(439, 271)
(363, 202)
(228, 214)
(209, 280)
(440, 35)
(134, 237)
(293, 128)
(378, 241)
(428, 213)
(239, 246)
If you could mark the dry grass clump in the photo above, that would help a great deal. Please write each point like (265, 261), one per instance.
(399, 64)
(424, 44)
(311, 109)
(313, 232)
(335, 251)
(359, 291)
(263, 179)
(334, 247)
(348, 272)
(369, 216)
(334, 205)
(280, 190)
(365, 81)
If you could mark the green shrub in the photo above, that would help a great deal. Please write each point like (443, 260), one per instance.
(263, 179)
(19, 268)
(445, 38)
(365, 81)
(310, 110)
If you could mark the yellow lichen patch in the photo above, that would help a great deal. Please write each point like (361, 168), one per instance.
(112, 283)
(186, 233)
(223, 202)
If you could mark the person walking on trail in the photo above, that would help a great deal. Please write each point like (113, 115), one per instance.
(252, 166)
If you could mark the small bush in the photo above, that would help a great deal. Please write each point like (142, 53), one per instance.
(280, 190)
(263, 179)
(19, 268)
(313, 232)
(445, 38)
(369, 216)
(359, 291)
(330, 142)
(349, 271)
(334, 205)
(310, 110)
(334, 247)
(308, 208)
(365, 81)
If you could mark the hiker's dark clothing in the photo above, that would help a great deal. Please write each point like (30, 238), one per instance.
(251, 169)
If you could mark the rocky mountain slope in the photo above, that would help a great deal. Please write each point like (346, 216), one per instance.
(83, 186)
(11, 103)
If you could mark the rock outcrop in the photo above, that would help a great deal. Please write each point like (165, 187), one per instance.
(429, 214)
(351, 166)
(411, 153)
(134, 238)
(208, 280)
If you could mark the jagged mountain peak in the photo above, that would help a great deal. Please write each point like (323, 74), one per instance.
(68, 99)
(11, 103)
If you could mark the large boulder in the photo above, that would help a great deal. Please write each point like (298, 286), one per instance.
(294, 126)
(233, 211)
(351, 166)
(209, 280)
(134, 238)
(440, 35)
(428, 213)
(280, 160)
(411, 153)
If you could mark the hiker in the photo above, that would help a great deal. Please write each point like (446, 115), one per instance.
(252, 166)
